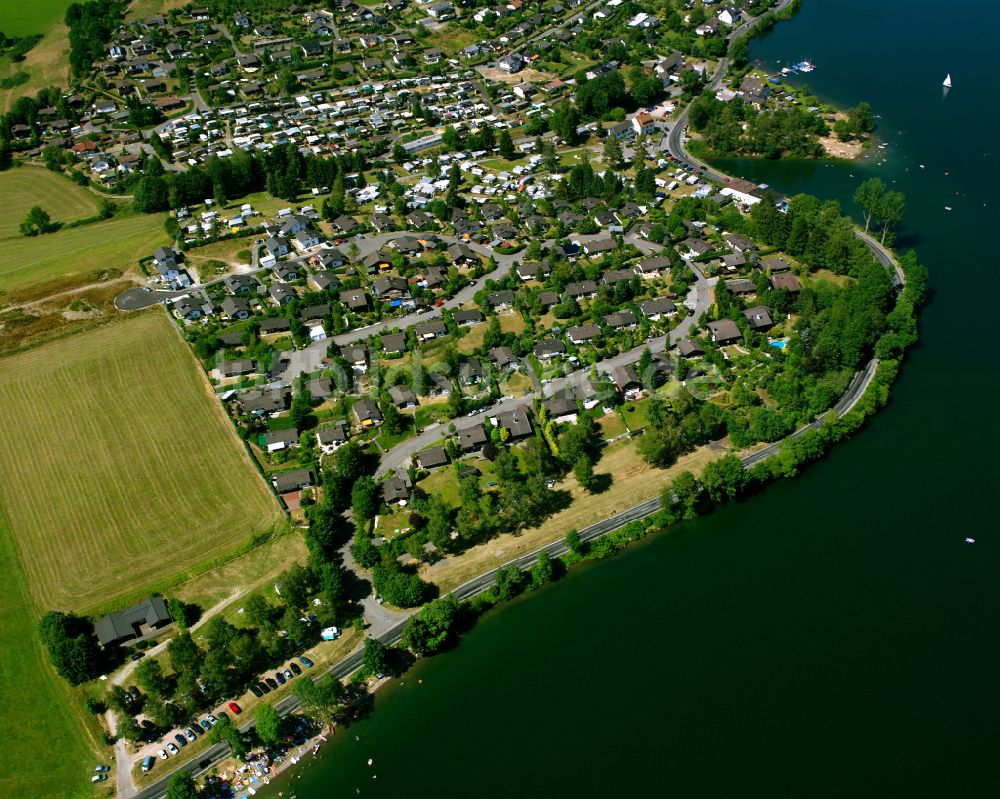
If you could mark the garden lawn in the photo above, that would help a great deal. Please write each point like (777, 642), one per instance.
(22, 188)
(121, 473)
(33, 267)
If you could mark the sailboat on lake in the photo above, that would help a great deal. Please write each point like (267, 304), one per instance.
(947, 81)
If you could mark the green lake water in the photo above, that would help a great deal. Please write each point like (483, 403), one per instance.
(831, 637)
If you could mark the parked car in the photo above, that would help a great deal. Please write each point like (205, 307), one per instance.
(223, 715)
(181, 740)
(306, 662)
(235, 708)
(102, 768)
(271, 684)
(189, 734)
(162, 754)
(263, 687)
(279, 677)
(99, 778)
(288, 674)
(133, 692)
(148, 762)
(173, 749)
(212, 719)
(256, 691)
(196, 729)
(138, 656)
(296, 670)
(205, 724)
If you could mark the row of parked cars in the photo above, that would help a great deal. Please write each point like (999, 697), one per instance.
(268, 684)
(192, 733)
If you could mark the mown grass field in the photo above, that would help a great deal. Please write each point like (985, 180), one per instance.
(30, 266)
(120, 472)
(21, 19)
(45, 744)
(27, 186)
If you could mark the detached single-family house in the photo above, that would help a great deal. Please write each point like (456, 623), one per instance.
(277, 440)
(431, 457)
(515, 422)
(724, 331)
(367, 412)
(330, 438)
(759, 318)
(472, 439)
(295, 480)
(581, 334)
(235, 308)
(402, 396)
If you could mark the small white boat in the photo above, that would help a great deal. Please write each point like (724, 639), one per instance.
(970, 540)
(947, 81)
(947, 208)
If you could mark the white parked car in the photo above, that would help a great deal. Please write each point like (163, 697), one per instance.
(162, 754)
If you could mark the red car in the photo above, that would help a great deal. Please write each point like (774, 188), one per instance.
(235, 708)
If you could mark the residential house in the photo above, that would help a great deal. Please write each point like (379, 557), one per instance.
(785, 281)
(599, 246)
(235, 308)
(724, 331)
(549, 349)
(470, 317)
(660, 307)
(277, 440)
(402, 396)
(393, 344)
(431, 458)
(355, 300)
(367, 412)
(516, 422)
(331, 438)
(690, 348)
(498, 300)
(472, 439)
(759, 318)
(281, 293)
(295, 480)
(582, 334)
(502, 358)
(584, 289)
(426, 331)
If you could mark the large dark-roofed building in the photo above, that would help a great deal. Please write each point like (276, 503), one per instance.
(125, 625)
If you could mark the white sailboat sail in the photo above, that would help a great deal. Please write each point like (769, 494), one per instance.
(947, 81)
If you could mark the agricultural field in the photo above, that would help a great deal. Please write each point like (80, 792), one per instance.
(135, 476)
(36, 703)
(27, 186)
(30, 267)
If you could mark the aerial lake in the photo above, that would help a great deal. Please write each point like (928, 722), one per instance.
(833, 636)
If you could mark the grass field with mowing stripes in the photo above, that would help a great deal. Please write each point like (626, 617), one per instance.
(120, 470)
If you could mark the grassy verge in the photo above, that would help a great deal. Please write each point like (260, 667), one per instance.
(48, 751)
